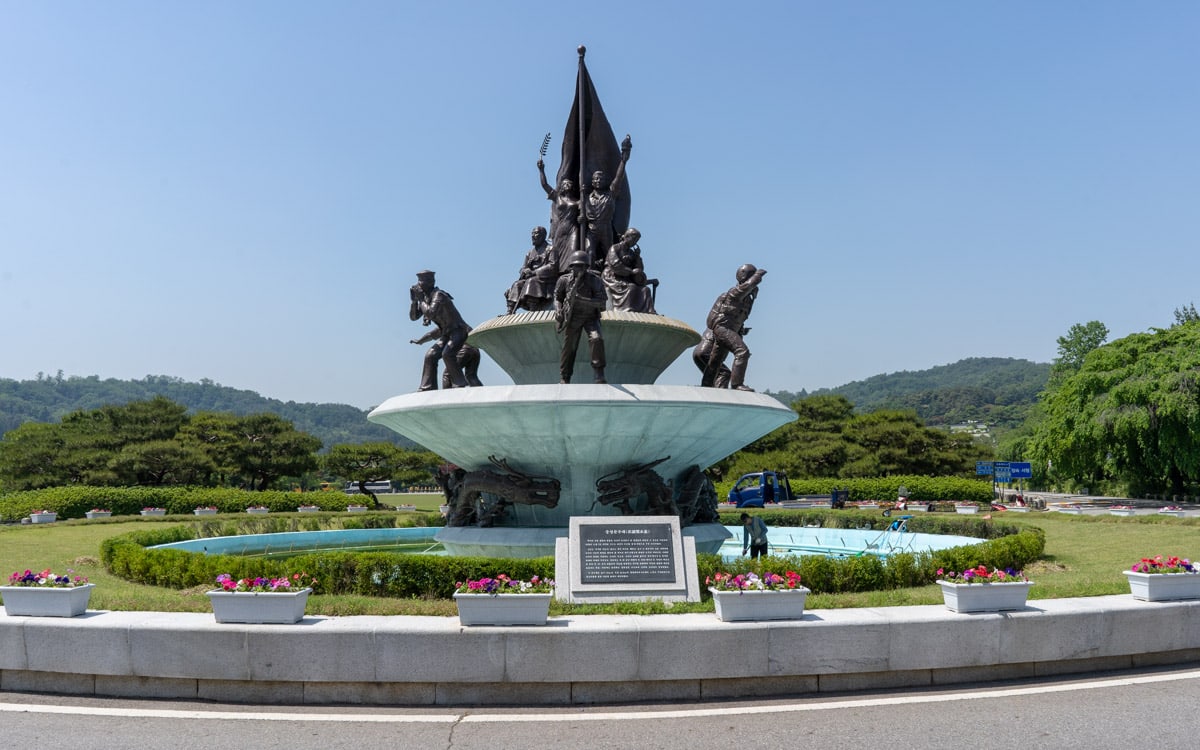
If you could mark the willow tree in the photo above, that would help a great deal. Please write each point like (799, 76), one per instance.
(1131, 412)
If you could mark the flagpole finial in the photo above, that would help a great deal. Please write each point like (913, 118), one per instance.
(582, 51)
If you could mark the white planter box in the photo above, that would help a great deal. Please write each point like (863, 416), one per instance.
(356, 509)
(276, 607)
(503, 609)
(309, 509)
(966, 509)
(204, 512)
(1122, 512)
(44, 601)
(43, 517)
(985, 597)
(155, 512)
(735, 606)
(1163, 587)
(406, 507)
(1019, 508)
(1070, 511)
(99, 513)
(258, 511)
(1175, 513)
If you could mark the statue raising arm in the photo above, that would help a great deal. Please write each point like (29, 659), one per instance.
(626, 148)
(541, 165)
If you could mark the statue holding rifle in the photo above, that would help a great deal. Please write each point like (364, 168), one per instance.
(579, 297)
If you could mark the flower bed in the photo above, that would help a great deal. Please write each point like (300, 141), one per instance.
(980, 590)
(46, 594)
(1161, 579)
(261, 599)
(750, 596)
(504, 601)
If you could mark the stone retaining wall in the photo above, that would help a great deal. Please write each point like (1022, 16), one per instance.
(583, 660)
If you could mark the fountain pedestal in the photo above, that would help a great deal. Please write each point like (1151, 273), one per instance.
(578, 433)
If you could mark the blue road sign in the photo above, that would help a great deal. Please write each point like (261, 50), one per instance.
(1003, 472)
(983, 468)
(1021, 470)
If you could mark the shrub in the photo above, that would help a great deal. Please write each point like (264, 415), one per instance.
(431, 576)
(76, 501)
(887, 489)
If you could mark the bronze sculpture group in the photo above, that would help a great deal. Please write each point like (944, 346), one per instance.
(590, 260)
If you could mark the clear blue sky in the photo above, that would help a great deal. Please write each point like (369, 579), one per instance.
(244, 191)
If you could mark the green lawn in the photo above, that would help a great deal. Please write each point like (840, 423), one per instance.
(1084, 557)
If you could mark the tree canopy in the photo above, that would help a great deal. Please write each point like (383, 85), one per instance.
(1130, 412)
(154, 443)
(829, 440)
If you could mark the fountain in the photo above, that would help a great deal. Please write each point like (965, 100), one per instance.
(623, 446)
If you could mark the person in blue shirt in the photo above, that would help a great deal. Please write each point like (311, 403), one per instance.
(754, 538)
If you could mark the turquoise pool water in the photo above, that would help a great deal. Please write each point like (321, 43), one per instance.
(783, 541)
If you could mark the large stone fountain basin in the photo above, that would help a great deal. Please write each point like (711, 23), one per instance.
(579, 433)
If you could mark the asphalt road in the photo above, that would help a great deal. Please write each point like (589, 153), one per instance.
(1112, 710)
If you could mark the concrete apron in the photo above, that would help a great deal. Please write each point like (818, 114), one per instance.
(422, 661)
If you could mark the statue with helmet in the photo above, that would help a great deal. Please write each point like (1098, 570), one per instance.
(727, 322)
(579, 297)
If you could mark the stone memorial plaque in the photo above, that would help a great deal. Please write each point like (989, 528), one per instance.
(626, 558)
(626, 553)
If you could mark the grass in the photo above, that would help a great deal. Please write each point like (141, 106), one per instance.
(1085, 556)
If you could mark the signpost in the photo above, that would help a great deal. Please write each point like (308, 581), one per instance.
(1004, 471)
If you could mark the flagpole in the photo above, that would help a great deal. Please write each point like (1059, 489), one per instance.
(582, 245)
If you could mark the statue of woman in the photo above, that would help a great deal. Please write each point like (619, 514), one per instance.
(624, 276)
(564, 218)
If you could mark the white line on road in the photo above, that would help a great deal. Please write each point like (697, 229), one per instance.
(562, 713)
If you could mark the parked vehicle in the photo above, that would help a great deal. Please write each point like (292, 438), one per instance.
(754, 490)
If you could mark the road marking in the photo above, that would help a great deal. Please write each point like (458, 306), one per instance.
(562, 713)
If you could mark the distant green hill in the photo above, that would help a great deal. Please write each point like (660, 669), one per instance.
(998, 391)
(49, 398)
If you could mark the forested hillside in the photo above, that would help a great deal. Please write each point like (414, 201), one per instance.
(48, 399)
(994, 390)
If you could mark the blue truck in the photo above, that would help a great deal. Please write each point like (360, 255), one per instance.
(753, 490)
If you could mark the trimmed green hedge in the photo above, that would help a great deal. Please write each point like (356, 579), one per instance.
(75, 502)
(887, 489)
(431, 576)
(825, 575)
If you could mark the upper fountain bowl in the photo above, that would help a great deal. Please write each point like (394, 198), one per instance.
(638, 346)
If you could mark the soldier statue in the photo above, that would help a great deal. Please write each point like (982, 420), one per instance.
(727, 321)
(579, 297)
(436, 307)
(704, 352)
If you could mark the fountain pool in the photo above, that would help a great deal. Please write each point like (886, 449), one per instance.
(784, 541)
